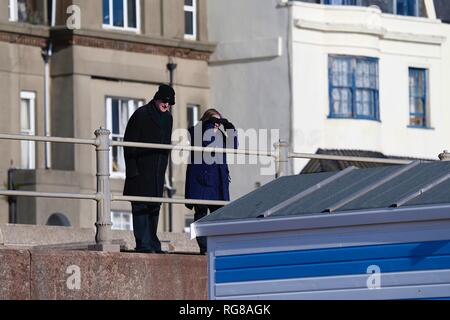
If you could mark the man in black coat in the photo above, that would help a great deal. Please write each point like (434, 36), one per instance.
(145, 168)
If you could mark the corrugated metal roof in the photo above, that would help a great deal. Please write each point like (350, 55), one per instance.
(317, 165)
(373, 188)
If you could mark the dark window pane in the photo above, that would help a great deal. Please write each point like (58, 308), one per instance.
(106, 11)
(417, 96)
(115, 116)
(188, 23)
(188, 2)
(118, 13)
(341, 2)
(132, 21)
(407, 7)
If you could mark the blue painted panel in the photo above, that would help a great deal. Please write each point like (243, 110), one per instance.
(333, 261)
(332, 269)
(328, 255)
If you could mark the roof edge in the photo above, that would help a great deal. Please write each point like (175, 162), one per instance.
(320, 221)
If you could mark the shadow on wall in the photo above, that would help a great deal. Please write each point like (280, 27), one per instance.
(58, 220)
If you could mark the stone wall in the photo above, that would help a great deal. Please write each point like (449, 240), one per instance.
(66, 275)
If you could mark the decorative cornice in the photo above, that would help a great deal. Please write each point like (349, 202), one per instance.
(78, 40)
(38, 36)
(382, 33)
(24, 39)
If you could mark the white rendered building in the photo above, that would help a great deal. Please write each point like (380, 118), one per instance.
(334, 74)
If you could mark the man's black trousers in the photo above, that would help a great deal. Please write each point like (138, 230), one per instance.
(145, 226)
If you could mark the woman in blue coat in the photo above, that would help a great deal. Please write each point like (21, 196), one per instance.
(207, 175)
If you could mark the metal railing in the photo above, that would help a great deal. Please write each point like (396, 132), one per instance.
(103, 196)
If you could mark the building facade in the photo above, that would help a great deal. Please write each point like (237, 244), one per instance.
(349, 74)
(107, 59)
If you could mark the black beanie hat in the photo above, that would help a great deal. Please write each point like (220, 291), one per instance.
(166, 94)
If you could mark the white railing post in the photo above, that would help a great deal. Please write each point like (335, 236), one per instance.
(282, 158)
(103, 236)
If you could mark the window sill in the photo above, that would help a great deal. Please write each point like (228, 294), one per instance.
(348, 118)
(190, 37)
(118, 176)
(121, 29)
(420, 127)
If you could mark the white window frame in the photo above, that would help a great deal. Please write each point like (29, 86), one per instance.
(30, 145)
(122, 214)
(131, 110)
(196, 112)
(111, 25)
(192, 9)
(13, 14)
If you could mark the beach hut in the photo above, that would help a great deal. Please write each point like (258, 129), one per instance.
(378, 233)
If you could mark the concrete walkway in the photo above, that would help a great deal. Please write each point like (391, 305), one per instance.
(44, 237)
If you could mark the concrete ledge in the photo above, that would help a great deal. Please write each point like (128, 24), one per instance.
(66, 275)
(14, 275)
(82, 275)
(29, 236)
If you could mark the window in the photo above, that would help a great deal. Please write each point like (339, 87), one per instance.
(353, 87)
(343, 2)
(192, 115)
(121, 14)
(118, 111)
(418, 97)
(400, 7)
(122, 220)
(25, 11)
(12, 10)
(407, 7)
(27, 127)
(190, 19)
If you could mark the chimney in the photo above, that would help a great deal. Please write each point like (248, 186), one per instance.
(445, 156)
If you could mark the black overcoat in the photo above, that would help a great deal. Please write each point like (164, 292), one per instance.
(145, 168)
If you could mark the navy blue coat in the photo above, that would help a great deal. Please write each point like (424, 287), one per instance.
(207, 175)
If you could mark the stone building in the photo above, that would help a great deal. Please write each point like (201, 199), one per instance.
(98, 61)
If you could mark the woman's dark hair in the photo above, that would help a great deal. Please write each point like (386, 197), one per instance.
(209, 114)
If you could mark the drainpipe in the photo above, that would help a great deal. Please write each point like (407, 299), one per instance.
(47, 54)
(290, 165)
(12, 200)
(170, 190)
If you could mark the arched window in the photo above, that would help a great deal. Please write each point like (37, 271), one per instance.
(58, 220)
